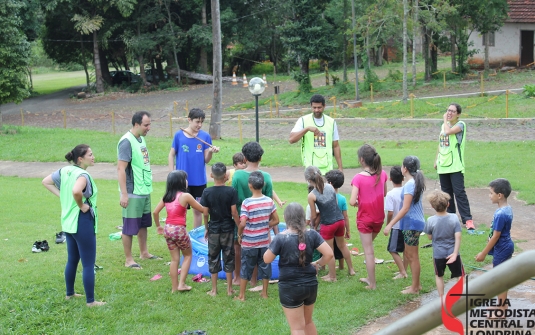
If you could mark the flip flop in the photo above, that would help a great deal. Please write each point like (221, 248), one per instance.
(154, 257)
(156, 277)
(354, 251)
(134, 266)
(377, 261)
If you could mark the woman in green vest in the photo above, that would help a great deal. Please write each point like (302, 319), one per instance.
(77, 193)
(450, 163)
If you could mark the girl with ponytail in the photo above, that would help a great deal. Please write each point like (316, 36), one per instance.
(333, 225)
(298, 284)
(411, 217)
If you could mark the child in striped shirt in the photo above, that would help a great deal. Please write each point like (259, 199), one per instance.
(258, 215)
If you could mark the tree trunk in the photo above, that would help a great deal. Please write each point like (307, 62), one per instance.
(304, 65)
(368, 48)
(215, 120)
(405, 13)
(30, 77)
(98, 70)
(434, 58)
(414, 33)
(140, 60)
(104, 69)
(344, 49)
(487, 52)
(170, 22)
(203, 62)
(84, 63)
(425, 51)
(453, 49)
(379, 56)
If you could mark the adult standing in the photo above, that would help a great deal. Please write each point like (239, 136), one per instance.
(450, 163)
(319, 134)
(135, 184)
(77, 193)
(298, 284)
(190, 151)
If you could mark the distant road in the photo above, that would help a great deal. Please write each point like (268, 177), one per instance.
(43, 103)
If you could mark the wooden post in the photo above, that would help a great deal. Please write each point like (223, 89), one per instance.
(334, 105)
(187, 108)
(64, 119)
(22, 117)
(412, 105)
(113, 122)
(170, 125)
(239, 127)
(482, 84)
(175, 104)
(371, 92)
(270, 109)
(507, 104)
(444, 76)
(277, 105)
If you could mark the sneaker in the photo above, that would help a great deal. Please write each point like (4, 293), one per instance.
(44, 246)
(470, 225)
(60, 237)
(36, 246)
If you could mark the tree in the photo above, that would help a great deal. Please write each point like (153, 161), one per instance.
(14, 54)
(215, 120)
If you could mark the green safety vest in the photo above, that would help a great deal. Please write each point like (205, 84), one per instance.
(140, 164)
(318, 150)
(450, 157)
(69, 208)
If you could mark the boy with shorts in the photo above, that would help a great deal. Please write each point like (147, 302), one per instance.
(444, 229)
(336, 179)
(392, 206)
(500, 244)
(220, 220)
(258, 215)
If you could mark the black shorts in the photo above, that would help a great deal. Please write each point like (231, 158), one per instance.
(297, 296)
(456, 267)
(218, 244)
(196, 192)
(395, 241)
(337, 252)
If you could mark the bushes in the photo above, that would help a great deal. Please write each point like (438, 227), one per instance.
(304, 81)
(262, 68)
(529, 91)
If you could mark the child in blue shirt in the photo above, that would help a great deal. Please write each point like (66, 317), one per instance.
(500, 245)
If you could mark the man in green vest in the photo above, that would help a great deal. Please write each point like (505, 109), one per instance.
(135, 184)
(319, 135)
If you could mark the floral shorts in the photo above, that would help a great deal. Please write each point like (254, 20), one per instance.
(176, 236)
(411, 237)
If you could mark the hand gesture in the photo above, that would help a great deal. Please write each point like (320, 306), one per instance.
(214, 149)
(159, 230)
(480, 257)
(386, 231)
(451, 258)
(315, 130)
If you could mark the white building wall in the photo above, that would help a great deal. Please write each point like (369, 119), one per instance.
(506, 49)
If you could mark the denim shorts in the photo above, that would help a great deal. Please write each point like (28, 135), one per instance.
(297, 296)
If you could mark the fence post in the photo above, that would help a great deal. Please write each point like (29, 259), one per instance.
(412, 105)
(170, 125)
(334, 105)
(482, 84)
(175, 104)
(239, 127)
(507, 104)
(371, 92)
(113, 121)
(277, 105)
(270, 109)
(187, 108)
(444, 76)
(64, 119)
(22, 117)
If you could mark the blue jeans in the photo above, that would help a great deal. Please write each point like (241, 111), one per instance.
(453, 184)
(82, 245)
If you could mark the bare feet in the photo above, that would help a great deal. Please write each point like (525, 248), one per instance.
(96, 303)
(149, 256)
(326, 277)
(265, 296)
(76, 295)
(400, 276)
(239, 298)
(410, 290)
(352, 272)
(183, 288)
(212, 293)
(410, 287)
(236, 282)
(256, 288)
(368, 287)
(329, 279)
(230, 292)
(365, 281)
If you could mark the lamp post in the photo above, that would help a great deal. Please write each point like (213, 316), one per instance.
(256, 87)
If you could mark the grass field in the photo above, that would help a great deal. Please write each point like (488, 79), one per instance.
(32, 285)
(488, 160)
(51, 82)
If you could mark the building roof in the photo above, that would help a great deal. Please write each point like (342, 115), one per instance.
(521, 11)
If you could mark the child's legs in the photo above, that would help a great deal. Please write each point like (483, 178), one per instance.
(395, 246)
(310, 327)
(411, 252)
(367, 243)
(197, 218)
(327, 232)
(237, 258)
(296, 319)
(73, 258)
(87, 249)
(345, 252)
(229, 282)
(440, 285)
(186, 263)
(173, 267)
(399, 262)
(264, 270)
(331, 264)
(501, 300)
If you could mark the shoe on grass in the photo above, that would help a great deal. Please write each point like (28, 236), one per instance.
(36, 246)
(60, 237)
(470, 225)
(44, 246)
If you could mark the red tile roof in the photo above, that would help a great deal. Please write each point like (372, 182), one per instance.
(521, 11)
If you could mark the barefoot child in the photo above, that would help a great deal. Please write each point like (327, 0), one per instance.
(176, 201)
(333, 225)
(258, 215)
(500, 244)
(220, 220)
(336, 179)
(368, 193)
(392, 205)
(444, 229)
(411, 218)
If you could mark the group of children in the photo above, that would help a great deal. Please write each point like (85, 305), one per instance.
(240, 211)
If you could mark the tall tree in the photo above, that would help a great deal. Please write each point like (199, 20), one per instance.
(405, 38)
(215, 120)
(14, 54)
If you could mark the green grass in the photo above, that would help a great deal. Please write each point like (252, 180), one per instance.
(51, 82)
(488, 160)
(32, 285)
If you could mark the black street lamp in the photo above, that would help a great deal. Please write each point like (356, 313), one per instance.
(256, 87)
